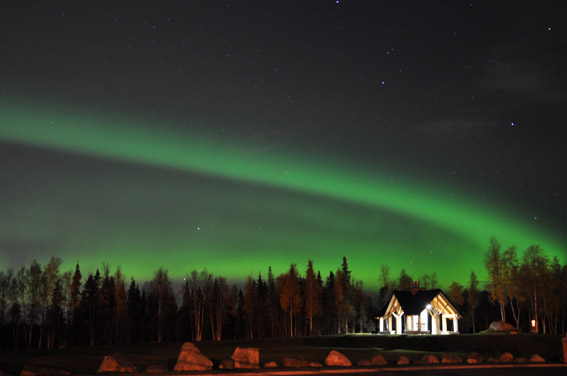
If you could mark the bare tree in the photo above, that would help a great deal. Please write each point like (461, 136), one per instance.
(290, 299)
(473, 297)
(313, 291)
(197, 286)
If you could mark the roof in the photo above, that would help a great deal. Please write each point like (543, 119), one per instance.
(414, 303)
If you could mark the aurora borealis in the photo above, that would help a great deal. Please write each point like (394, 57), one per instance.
(146, 172)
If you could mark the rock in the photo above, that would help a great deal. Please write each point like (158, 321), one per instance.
(403, 360)
(336, 359)
(449, 358)
(314, 364)
(492, 360)
(474, 358)
(191, 359)
(246, 357)
(430, 359)
(506, 358)
(116, 363)
(271, 364)
(364, 363)
(156, 369)
(294, 362)
(501, 326)
(42, 371)
(535, 358)
(378, 360)
(189, 346)
(521, 360)
(227, 364)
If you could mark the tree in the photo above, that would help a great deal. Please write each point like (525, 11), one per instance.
(197, 286)
(249, 306)
(135, 311)
(473, 297)
(49, 278)
(455, 294)
(55, 318)
(511, 278)
(330, 312)
(495, 267)
(405, 282)
(218, 307)
(161, 286)
(534, 266)
(120, 308)
(34, 286)
(428, 281)
(90, 302)
(312, 296)
(273, 304)
(289, 291)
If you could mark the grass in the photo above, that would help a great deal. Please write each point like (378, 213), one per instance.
(85, 360)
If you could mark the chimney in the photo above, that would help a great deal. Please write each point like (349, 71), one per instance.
(415, 288)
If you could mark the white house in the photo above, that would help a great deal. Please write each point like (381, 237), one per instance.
(419, 311)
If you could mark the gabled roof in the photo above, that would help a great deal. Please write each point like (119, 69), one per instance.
(413, 303)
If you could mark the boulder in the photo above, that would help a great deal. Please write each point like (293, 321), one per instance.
(227, 364)
(430, 359)
(246, 357)
(336, 359)
(521, 360)
(506, 358)
(189, 346)
(29, 370)
(449, 358)
(403, 360)
(116, 363)
(378, 360)
(474, 358)
(314, 364)
(153, 368)
(271, 364)
(291, 361)
(364, 363)
(501, 326)
(191, 359)
(535, 358)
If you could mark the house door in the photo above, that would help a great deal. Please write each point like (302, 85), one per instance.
(424, 319)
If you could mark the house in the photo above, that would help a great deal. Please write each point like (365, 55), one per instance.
(419, 311)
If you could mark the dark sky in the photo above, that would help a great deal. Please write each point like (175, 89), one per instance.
(238, 135)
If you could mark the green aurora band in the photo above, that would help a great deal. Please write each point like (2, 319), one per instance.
(332, 209)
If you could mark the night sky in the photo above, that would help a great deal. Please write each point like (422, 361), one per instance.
(237, 135)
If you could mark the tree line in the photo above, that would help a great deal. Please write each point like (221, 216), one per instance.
(42, 307)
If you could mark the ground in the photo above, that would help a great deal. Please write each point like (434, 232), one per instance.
(85, 360)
